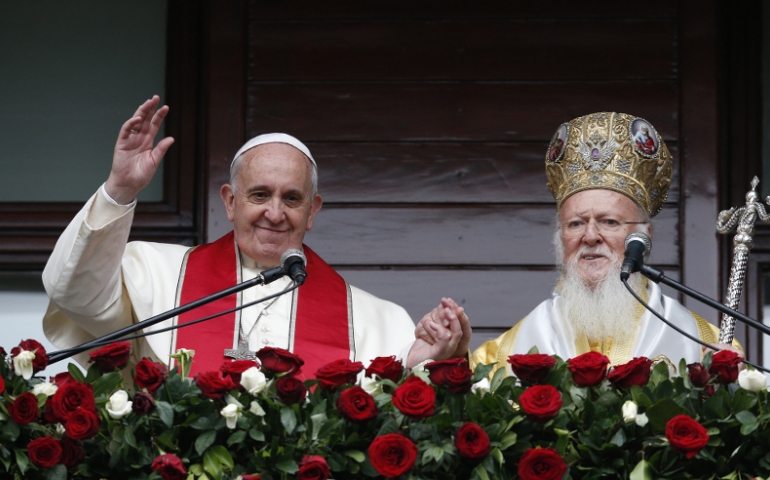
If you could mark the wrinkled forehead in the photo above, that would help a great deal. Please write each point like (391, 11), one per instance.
(599, 203)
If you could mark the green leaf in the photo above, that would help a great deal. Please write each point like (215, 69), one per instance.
(508, 439)
(93, 373)
(236, 437)
(129, 436)
(746, 417)
(21, 460)
(318, 420)
(748, 428)
(659, 374)
(107, 384)
(482, 371)
(165, 413)
(497, 379)
(215, 459)
(608, 399)
(497, 455)
(356, 455)
(481, 472)
(661, 412)
(288, 466)
(11, 431)
(619, 438)
(204, 441)
(76, 373)
(288, 419)
(257, 434)
(57, 472)
(641, 471)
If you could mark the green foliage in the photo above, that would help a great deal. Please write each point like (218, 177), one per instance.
(271, 438)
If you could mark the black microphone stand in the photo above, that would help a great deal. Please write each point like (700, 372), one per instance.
(658, 277)
(63, 354)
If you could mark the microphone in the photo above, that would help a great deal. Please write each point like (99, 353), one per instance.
(637, 246)
(293, 263)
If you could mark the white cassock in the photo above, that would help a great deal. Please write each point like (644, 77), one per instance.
(99, 283)
(547, 329)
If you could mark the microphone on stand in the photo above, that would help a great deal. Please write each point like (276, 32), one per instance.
(638, 245)
(293, 264)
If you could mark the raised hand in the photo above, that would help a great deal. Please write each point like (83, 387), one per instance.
(442, 333)
(135, 161)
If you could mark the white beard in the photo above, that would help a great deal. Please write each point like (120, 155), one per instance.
(603, 309)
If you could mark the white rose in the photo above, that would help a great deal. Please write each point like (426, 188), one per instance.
(630, 414)
(752, 380)
(481, 387)
(371, 386)
(253, 380)
(256, 409)
(232, 413)
(118, 406)
(44, 388)
(22, 364)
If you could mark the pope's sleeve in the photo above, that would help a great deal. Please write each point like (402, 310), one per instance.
(486, 353)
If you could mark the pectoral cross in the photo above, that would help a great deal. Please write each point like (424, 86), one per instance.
(242, 352)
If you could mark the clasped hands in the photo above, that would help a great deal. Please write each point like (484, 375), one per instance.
(444, 332)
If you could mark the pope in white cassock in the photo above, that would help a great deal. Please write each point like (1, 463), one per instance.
(605, 188)
(98, 282)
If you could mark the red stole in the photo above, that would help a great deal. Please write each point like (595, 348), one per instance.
(320, 327)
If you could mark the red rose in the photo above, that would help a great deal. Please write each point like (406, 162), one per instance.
(541, 402)
(386, 367)
(24, 409)
(248, 476)
(458, 379)
(72, 452)
(150, 375)
(589, 369)
(313, 467)
(415, 398)
(531, 367)
(235, 368)
(541, 464)
(111, 357)
(61, 379)
(213, 384)
(636, 372)
(686, 435)
(356, 405)
(82, 424)
(437, 370)
(290, 389)
(472, 441)
(2, 351)
(698, 374)
(69, 398)
(724, 365)
(143, 403)
(170, 467)
(392, 454)
(338, 373)
(2, 385)
(44, 452)
(41, 359)
(278, 360)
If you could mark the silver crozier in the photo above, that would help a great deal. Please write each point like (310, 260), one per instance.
(744, 217)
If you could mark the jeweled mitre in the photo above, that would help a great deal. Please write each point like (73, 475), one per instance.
(613, 151)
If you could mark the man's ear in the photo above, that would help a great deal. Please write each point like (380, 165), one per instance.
(228, 197)
(317, 202)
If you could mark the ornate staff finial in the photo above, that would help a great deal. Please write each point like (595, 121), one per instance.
(744, 217)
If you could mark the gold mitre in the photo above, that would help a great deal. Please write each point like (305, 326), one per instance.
(613, 151)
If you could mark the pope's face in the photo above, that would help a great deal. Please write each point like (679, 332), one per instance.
(593, 231)
(273, 203)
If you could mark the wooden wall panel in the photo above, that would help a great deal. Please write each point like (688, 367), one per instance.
(429, 122)
(439, 111)
(461, 49)
(455, 235)
(447, 172)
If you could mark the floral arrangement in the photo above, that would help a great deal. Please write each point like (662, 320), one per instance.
(554, 419)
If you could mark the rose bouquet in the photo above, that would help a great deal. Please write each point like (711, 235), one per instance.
(551, 420)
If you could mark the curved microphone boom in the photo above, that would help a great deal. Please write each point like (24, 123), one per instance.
(293, 263)
(638, 245)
